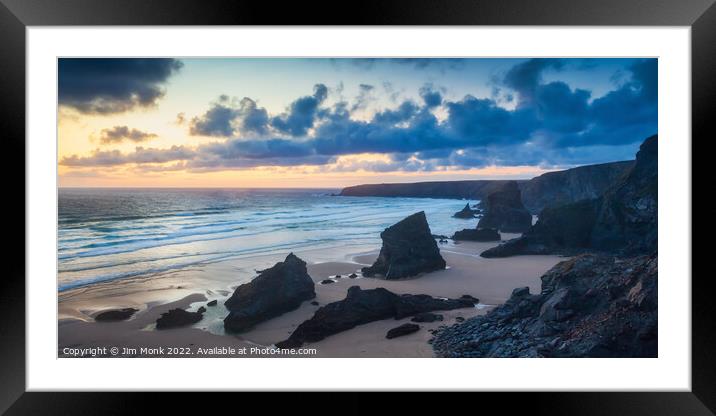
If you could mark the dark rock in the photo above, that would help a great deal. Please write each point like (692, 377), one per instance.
(466, 212)
(470, 298)
(212, 303)
(352, 275)
(471, 234)
(338, 276)
(408, 249)
(201, 309)
(314, 303)
(439, 236)
(623, 220)
(589, 306)
(363, 306)
(327, 281)
(504, 210)
(115, 315)
(459, 319)
(275, 291)
(402, 330)
(427, 317)
(178, 317)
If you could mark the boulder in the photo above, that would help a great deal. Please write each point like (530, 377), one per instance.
(408, 249)
(275, 291)
(363, 306)
(402, 330)
(327, 281)
(352, 276)
(115, 315)
(465, 213)
(212, 303)
(175, 318)
(472, 234)
(504, 210)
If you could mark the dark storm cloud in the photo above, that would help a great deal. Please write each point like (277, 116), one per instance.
(430, 96)
(118, 134)
(525, 77)
(225, 118)
(301, 113)
(552, 124)
(112, 85)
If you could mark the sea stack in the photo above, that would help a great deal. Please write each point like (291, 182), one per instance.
(408, 249)
(466, 212)
(275, 291)
(505, 212)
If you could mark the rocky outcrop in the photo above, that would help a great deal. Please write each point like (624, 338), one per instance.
(504, 210)
(473, 234)
(465, 213)
(589, 306)
(363, 306)
(176, 318)
(275, 291)
(115, 315)
(408, 249)
(623, 220)
(402, 330)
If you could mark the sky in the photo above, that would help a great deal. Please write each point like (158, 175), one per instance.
(330, 123)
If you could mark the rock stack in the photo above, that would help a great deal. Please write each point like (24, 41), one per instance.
(408, 249)
(275, 291)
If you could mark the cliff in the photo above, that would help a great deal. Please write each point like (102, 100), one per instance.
(477, 189)
(622, 220)
(571, 185)
(553, 188)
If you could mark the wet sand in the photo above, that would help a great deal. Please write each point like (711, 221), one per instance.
(490, 280)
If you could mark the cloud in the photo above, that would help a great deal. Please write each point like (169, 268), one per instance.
(430, 96)
(440, 64)
(113, 85)
(301, 113)
(118, 134)
(552, 125)
(140, 155)
(524, 78)
(227, 118)
(365, 96)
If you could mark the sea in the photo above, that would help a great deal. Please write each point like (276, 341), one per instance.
(107, 234)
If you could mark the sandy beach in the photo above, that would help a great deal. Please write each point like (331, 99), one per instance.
(490, 280)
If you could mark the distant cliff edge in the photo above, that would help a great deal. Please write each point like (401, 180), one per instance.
(584, 182)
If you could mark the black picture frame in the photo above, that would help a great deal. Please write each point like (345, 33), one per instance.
(16, 15)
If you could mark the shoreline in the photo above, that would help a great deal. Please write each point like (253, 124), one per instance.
(490, 280)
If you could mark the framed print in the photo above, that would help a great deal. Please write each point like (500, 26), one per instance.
(474, 199)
